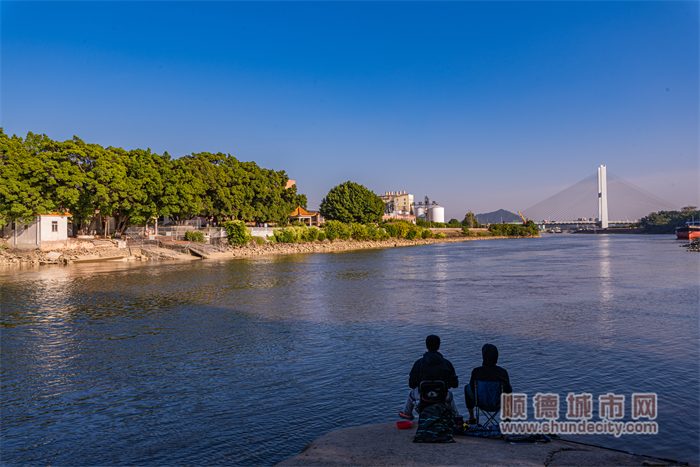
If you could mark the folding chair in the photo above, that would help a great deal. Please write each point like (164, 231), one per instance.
(487, 399)
(431, 392)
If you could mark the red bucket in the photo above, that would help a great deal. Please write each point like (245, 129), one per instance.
(404, 424)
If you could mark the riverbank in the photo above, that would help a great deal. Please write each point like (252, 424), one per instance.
(342, 245)
(611, 231)
(111, 252)
(384, 444)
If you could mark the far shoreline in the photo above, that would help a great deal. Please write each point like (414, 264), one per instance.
(16, 257)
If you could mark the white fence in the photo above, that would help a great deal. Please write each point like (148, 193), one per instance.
(262, 231)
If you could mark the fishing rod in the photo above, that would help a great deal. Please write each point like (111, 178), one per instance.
(624, 452)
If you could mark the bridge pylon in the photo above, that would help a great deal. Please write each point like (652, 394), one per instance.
(603, 197)
(614, 201)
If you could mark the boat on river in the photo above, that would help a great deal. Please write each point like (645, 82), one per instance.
(689, 231)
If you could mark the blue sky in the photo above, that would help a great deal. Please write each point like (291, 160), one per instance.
(478, 105)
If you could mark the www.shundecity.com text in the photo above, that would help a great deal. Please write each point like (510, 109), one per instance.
(584, 427)
(611, 409)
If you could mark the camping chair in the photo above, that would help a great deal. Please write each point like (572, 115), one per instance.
(431, 392)
(487, 399)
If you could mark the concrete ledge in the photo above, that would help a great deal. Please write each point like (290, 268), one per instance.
(384, 444)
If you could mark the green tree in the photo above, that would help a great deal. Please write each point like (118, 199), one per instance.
(665, 222)
(184, 195)
(24, 180)
(38, 175)
(470, 221)
(140, 195)
(352, 202)
(242, 190)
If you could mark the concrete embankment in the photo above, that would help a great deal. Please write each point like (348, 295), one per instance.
(107, 252)
(384, 444)
(29, 257)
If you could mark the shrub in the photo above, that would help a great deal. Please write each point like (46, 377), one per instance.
(483, 234)
(345, 232)
(358, 232)
(392, 230)
(454, 223)
(288, 236)
(413, 232)
(514, 229)
(291, 234)
(422, 223)
(372, 232)
(465, 230)
(321, 236)
(440, 235)
(310, 234)
(237, 232)
(403, 227)
(333, 229)
(197, 237)
(427, 233)
(376, 233)
(259, 240)
(298, 224)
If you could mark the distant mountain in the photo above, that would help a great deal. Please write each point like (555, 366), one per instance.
(496, 217)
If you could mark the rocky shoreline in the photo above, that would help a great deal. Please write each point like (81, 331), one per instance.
(383, 444)
(111, 252)
(341, 245)
(693, 246)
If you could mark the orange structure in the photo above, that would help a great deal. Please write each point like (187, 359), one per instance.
(307, 217)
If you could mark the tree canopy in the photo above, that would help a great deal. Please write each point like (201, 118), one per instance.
(38, 176)
(470, 221)
(666, 221)
(352, 202)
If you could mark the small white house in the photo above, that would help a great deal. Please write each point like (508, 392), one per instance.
(54, 227)
(45, 228)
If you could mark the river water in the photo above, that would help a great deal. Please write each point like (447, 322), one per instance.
(246, 361)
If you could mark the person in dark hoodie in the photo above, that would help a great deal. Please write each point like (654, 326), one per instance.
(488, 371)
(432, 367)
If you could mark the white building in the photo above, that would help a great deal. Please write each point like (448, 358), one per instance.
(400, 201)
(45, 228)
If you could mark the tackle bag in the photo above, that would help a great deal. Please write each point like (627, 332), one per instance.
(435, 424)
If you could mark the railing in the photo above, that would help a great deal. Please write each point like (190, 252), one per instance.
(141, 242)
(212, 235)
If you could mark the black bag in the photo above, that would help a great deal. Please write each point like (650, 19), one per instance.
(435, 424)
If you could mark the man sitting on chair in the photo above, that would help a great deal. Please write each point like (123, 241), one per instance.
(432, 367)
(488, 372)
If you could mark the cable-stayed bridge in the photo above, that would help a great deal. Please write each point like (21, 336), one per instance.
(603, 198)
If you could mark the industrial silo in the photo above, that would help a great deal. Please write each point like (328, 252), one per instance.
(419, 211)
(437, 214)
